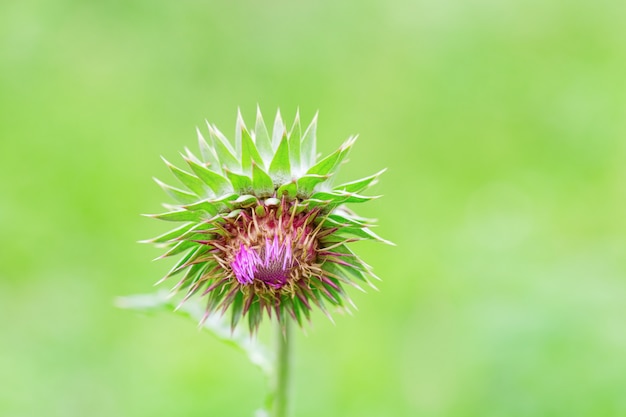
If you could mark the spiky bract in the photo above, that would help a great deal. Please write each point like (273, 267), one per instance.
(264, 232)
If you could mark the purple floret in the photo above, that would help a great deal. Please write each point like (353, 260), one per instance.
(271, 264)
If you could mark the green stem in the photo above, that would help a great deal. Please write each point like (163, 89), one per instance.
(282, 381)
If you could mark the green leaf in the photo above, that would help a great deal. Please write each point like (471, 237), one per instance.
(272, 202)
(363, 233)
(172, 234)
(236, 309)
(332, 295)
(294, 143)
(261, 182)
(205, 206)
(307, 183)
(348, 258)
(347, 220)
(190, 181)
(246, 200)
(326, 205)
(295, 306)
(181, 216)
(330, 164)
(280, 169)
(223, 149)
(240, 126)
(290, 190)
(349, 275)
(215, 181)
(185, 260)
(262, 137)
(254, 315)
(192, 276)
(307, 145)
(340, 197)
(241, 183)
(361, 184)
(215, 324)
(249, 152)
(178, 248)
(224, 202)
(176, 193)
(279, 130)
(207, 152)
(318, 300)
(189, 155)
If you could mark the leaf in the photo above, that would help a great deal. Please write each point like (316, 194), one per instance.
(189, 155)
(290, 190)
(278, 131)
(215, 324)
(348, 274)
(207, 151)
(181, 216)
(307, 183)
(280, 169)
(241, 183)
(262, 138)
(176, 193)
(363, 233)
(192, 276)
(178, 248)
(347, 220)
(246, 200)
(254, 315)
(184, 262)
(223, 149)
(340, 197)
(172, 234)
(190, 181)
(205, 206)
(330, 164)
(294, 143)
(361, 184)
(239, 127)
(236, 309)
(298, 309)
(249, 152)
(261, 182)
(214, 180)
(225, 202)
(360, 232)
(307, 145)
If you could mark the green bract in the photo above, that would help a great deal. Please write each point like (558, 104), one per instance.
(263, 230)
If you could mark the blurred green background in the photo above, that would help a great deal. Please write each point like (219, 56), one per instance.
(503, 127)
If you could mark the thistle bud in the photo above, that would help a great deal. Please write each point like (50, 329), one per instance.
(263, 231)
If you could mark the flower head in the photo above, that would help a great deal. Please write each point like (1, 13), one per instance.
(264, 232)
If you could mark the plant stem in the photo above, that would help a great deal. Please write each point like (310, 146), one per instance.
(282, 380)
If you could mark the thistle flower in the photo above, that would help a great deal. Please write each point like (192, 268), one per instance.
(264, 232)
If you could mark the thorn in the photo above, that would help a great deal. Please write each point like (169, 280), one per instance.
(159, 282)
(240, 118)
(374, 287)
(166, 161)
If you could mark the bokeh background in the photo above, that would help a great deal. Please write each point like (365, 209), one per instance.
(503, 127)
